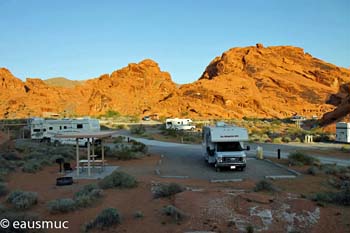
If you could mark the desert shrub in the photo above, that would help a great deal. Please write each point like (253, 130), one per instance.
(138, 130)
(138, 146)
(265, 185)
(286, 139)
(296, 139)
(118, 180)
(299, 159)
(333, 169)
(22, 200)
(32, 166)
(108, 217)
(313, 170)
(112, 114)
(167, 190)
(339, 198)
(61, 205)
(175, 213)
(138, 214)
(277, 140)
(119, 139)
(87, 195)
(10, 156)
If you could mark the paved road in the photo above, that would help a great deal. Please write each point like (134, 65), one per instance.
(186, 160)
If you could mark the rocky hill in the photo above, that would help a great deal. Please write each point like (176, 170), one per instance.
(253, 81)
(62, 82)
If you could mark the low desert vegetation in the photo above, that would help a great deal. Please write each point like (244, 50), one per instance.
(85, 197)
(118, 180)
(63, 205)
(138, 214)
(22, 200)
(138, 130)
(176, 214)
(299, 159)
(341, 197)
(167, 190)
(265, 185)
(107, 218)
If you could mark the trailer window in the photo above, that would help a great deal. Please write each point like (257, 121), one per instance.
(50, 128)
(228, 146)
(79, 126)
(64, 127)
(36, 130)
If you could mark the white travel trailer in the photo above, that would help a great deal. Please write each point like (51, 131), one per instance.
(179, 124)
(45, 130)
(343, 132)
(223, 146)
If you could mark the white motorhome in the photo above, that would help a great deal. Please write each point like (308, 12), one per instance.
(223, 146)
(343, 132)
(179, 124)
(45, 130)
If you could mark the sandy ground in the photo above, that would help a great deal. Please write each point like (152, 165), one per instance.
(219, 207)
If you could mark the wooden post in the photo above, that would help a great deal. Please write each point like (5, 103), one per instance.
(77, 154)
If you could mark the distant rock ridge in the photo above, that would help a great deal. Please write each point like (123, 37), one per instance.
(254, 81)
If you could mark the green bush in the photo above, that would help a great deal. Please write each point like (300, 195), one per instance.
(112, 114)
(3, 189)
(118, 180)
(175, 213)
(277, 140)
(61, 205)
(138, 214)
(339, 198)
(119, 139)
(300, 159)
(32, 166)
(138, 130)
(333, 169)
(87, 195)
(265, 185)
(313, 170)
(107, 218)
(167, 190)
(286, 139)
(22, 200)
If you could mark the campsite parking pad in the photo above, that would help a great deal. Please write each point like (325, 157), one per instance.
(188, 162)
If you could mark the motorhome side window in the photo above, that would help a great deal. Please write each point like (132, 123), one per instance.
(36, 130)
(228, 146)
(79, 126)
(50, 128)
(64, 127)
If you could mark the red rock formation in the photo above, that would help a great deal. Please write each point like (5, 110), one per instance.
(254, 81)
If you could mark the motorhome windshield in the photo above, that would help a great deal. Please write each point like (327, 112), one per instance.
(228, 146)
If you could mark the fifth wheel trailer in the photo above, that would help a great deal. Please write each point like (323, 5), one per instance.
(45, 130)
(223, 146)
(343, 132)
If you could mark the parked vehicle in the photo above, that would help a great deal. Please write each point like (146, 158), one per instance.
(343, 132)
(179, 124)
(146, 118)
(45, 130)
(223, 144)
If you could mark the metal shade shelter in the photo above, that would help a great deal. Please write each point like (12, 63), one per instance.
(90, 136)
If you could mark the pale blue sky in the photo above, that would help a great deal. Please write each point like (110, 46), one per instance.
(84, 39)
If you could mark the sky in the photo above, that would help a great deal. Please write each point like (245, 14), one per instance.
(83, 39)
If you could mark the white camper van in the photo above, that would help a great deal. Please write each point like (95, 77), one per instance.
(179, 124)
(223, 145)
(45, 130)
(343, 132)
